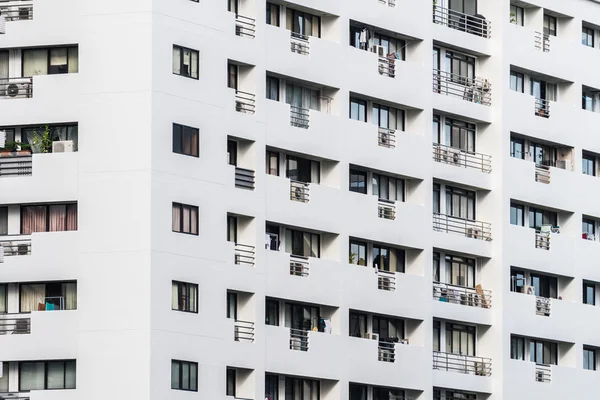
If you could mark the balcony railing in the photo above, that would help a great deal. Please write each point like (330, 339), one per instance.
(386, 351)
(542, 108)
(473, 24)
(542, 240)
(16, 245)
(386, 209)
(299, 117)
(243, 330)
(298, 339)
(16, 10)
(14, 396)
(16, 88)
(299, 43)
(475, 90)
(245, 26)
(244, 254)
(299, 266)
(542, 173)
(299, 191)
(244, 178)
(391, 3)
(541, 41)
(387, 138)
(16, 166)
(11, 324)
(461, 158)
(462, 363)
(245, 102)
(469, 228)
(466, 296)
(387, 66)
(386, 280)
(543, 373)
(542, 306)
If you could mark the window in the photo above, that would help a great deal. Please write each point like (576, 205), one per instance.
(517, 280)
(48, 218)
(185, 218)
(232, 76)
(358, 324)
(58, 60)
(304, 244)
(517, 214)
(388, 188)
(517, 348)
(358, 253)
(302, 97)
(3, 221)
(184, 375)
(588, 101)
(388, 258)
(231, 378)
(383, 393)
(4, 379)
(273, 14)
(232, 300)
(44, 375)
(185, 140)
(588, 229)
(272, 88)
(390, 45)
(464, 6)
(549, 25)
(538, 217)
(460, 339)
(303, 23)
(184, 297)
(545, 286)
(232, 229)
(461, 67)
(588, 164)
(357, 391)
(517, 82)
(517, 148)
(388, 117)
(185, 62)
(460, 203)
(232, 6)
(436, 266)
(232, 152)
(587, 36)
(301, 316)
(390, 329)
(460, 271)
(47, 296)
(303, 170)
(589, 358)
(358, 109)
(436, 129)
(57, 132)
(272, 232)
(358, 181)
(460, 135)
(436, 335)
(271, 387)
(543, 352)
(272, 164)
(436, 198)
(517, 15)
(589, 293)
(272, 312)
(302, 388)
(543, 155)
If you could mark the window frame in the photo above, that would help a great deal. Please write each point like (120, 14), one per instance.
(46, 363)
(182, 50)
(358, 174)
(585, 40)
(519, 12)
(517, 348)
(553, 351)
(272, 156)
(513, 144)
(586, 159)
(48, 57)
(586, 300)
(517, 77)
(273, 9)
(231, 382)
(518, 207)
(191, 209)
(180, 364)
(588, 350)
(273, 305)
(549, 20)
(184, 295)
(192, 133)
(270, 82)
(390, 180)
(359, 103)
(48, 208)
(359, 244)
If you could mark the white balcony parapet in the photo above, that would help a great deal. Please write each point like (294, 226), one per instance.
(465, 364)
(461, 158)
(469, 228)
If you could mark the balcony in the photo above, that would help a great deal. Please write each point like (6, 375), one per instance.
(299, 266)
(299, 339)
(299, 117)
(460, 158)
(15, 324)
(471, 365)
(386, 209)
(386, 280)
(299, 44)
(16, 88)
(469, 228)
(477, 90)
(542, 173)
(243, 331)
(16, 10)
(245, 102)
(543, 373)
(244, 178)
(245, 26)
(299, 191)
(466, 296)
(387, 66)
(542, 108)
(14, 245)
(473, 24)
(541, 41)
(15, 165)
(386, 138)
(542, 306)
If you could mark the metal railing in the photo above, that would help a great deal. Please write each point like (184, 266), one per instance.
(387, 138)
(542, 306)
(543, 373)
(245, 26)
(12, 324)
(542, 173)
(244, 178)
(542, 241)
(16, 88)
(243, 330)
(461, 158)
(462, 363)
(542, 108)
(469, 228)
(391, 3)
(244, 254)
(473, 24)
(541, 41)
(466, 296)
(299, 117)
(299, 266)
(298, 339)
(16, 10)
(386, 209)
(17, 246)
(386, 280)
(245, 102)
(387, 66)
(16, 166)
(299, 43)
(14, 396)
(299, 191)
(386, 351)
(475, 90)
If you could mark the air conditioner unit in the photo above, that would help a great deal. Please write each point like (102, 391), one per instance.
(379, 50)
(530, 290)
(18, 89)
(62, 146)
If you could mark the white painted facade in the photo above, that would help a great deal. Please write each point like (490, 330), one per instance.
(124, 178)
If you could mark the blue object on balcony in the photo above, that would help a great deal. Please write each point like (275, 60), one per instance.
(49, 307)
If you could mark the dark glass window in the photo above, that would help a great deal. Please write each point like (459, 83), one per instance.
(517, 280)
(272, 312)
(517, 148)
(357, 391)
(185, 140)
(273, 14)
(48, 218)
(184, 375)
(545, 286)
(459, 134)
(383, 393)
(589, 293)
(358, 324)
(57, 60)
(464, 6)
(388, 188)
(232, 76)
(303, 244)
(185, 62)
(232, 152)
(231, 378)
(589, 358)
(587, 36)
(388, 117)
(272, 88)
(272, 164)
(232, 301)
(358, 181)
(388, 258)
(303, 169)
(538, 217)
(588, 229)
(549, 25)
(436, 198)
(543, 352)
(185, 218)
(184, 297)
(302, 388)
(436, 129)
(517, 15)
(460, 203)
(271, 387)
(460, 339)
(436, 336)
(232, 224)
(358, 109)
(588, 164)
(461, 67)
(588, 101)
(358, 253)
(390, 329)
(303, 23)
(517, 214)
(517, 348)
(46, 375)
(460, 271)
(517, 82)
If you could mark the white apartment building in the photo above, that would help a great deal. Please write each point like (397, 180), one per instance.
(299, 199)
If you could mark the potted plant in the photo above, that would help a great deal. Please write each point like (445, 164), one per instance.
(24, 149)
(8, 149)
(42, 143)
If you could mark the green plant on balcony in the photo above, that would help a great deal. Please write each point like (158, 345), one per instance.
(41, 143)
(513, 18)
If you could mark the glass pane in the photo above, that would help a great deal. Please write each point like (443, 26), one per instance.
(176, 60)
(31, 376)
(174, 375)
(56, 375)
(35, 62)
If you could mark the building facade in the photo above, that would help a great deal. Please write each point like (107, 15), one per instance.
(321, 200)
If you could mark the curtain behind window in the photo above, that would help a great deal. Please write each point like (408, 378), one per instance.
(176, 60)
(58, 61)
(32, 296)
(33, 219)
(2, 303)
(69, 292)
(3, 64)
(73, 60)
(58, 218)
(35, 62)
(31, 376)
(71, 223)
(176, 225)
(3, 221)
